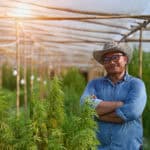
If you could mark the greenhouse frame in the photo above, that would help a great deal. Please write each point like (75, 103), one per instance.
(43, 39)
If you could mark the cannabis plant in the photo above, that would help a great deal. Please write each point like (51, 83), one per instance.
(79, 126)
(55, 114)
(6, 105)
(80, 130)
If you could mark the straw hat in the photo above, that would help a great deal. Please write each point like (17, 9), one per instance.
(113, 47)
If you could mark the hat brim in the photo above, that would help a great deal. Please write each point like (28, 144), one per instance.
(100, 53)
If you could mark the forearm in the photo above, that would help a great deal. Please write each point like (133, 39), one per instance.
(111, 117)
(106, 107)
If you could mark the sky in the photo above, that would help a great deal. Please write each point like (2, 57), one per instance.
(116, 6)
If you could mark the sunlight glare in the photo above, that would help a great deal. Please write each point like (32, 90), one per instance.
(21, 10)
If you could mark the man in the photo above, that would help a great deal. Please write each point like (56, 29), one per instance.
(119, 100)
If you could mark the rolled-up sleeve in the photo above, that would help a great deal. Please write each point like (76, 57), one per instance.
(89, 90)
(134, 103)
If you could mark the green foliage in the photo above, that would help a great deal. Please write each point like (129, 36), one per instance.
(55, 140)
(73, 86)
(55, 114)
(73, 79)
(8, 80)
(55, 103)
(22, 131)
(6, 106)
(7, 103)
(53, 120)
(79, 126)
(38, 118)
(80, 130)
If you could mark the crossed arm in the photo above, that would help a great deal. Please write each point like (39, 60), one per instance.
(117, 111)
(106, 111)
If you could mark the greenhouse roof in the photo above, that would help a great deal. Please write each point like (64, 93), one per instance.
(66, 32)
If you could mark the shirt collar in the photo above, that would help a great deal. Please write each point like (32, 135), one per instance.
(125, 78)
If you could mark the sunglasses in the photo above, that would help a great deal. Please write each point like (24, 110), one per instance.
(114, 58)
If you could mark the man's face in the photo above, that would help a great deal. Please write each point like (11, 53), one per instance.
(114, 62)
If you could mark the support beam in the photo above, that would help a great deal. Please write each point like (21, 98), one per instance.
(143, 25)
(137, 40)
(140, 54)
(76, 18)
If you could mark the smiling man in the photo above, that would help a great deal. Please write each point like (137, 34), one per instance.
(119, 100)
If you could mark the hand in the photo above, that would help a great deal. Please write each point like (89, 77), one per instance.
(120, 103)
(93, 96)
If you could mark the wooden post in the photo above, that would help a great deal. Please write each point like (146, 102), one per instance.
(25, 75)
(140, 54)
(18, 69)
(32, 73)
(41, 70)
(31, 80)
(1, 76)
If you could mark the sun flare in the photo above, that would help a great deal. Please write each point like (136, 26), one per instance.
(21, 10)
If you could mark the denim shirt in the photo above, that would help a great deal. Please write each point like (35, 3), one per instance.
(130, 90)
